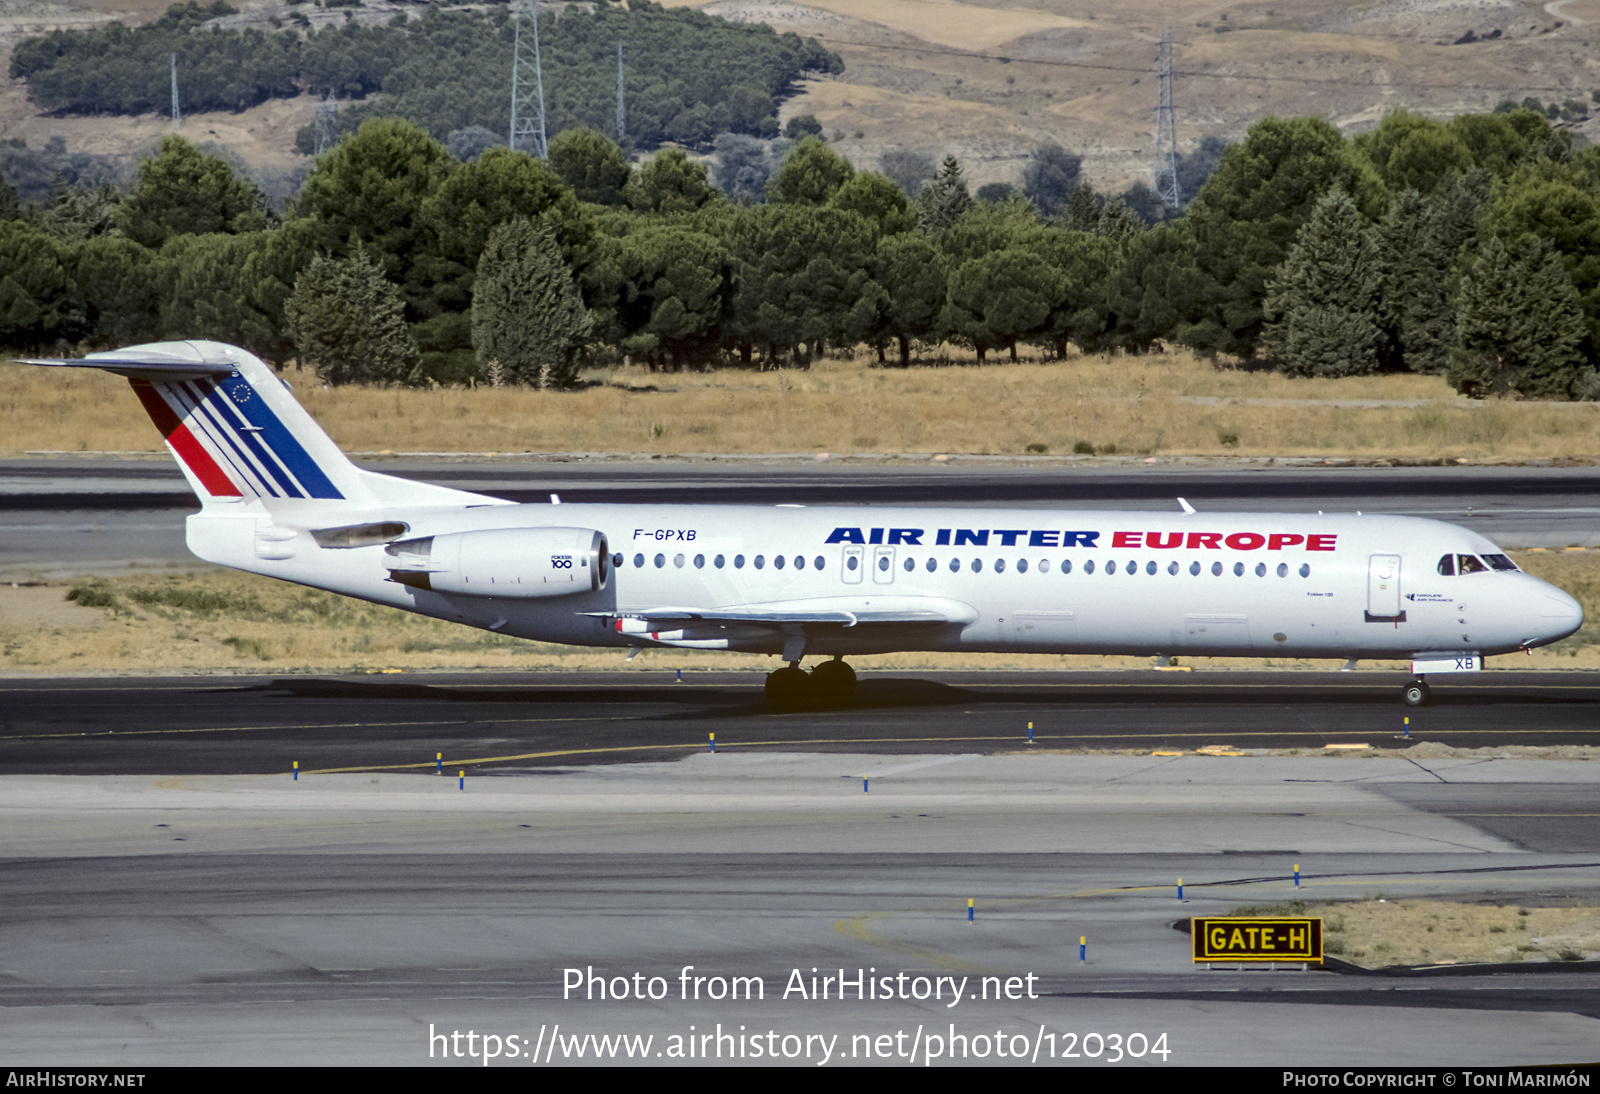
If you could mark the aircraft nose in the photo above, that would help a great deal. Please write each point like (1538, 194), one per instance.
(1559, 616)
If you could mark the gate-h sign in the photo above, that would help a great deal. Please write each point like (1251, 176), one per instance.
(1257, 940)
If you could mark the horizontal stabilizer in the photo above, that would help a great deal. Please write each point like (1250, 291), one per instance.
(156, 361)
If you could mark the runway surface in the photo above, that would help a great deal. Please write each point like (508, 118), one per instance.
(71, 515)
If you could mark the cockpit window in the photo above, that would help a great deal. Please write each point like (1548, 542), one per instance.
(1500, 562)
(1447, 566)
(1469, 564)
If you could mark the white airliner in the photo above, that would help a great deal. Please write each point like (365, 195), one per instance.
(278, 498)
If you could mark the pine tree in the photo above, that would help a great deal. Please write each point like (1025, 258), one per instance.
(811, 174)
(1118, 221)
(945, 199)
(1081, 210)
(1247, 216)
(526, 313)
(1419, 239)
(10, 207)
(184, 191)
(1050, 176)
(1521, 324)
(592, 165)
(1322, 303)
(912, 171)
(347, 324)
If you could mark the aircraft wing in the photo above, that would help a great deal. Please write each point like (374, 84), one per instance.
(794, 621)
(839, 611)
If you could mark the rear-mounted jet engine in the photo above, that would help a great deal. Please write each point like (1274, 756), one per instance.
(510, 562)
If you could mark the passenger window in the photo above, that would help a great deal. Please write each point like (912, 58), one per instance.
(718, 561)
(678, 561)
(1283, 569)
(1238, 569)
(1172, 567)
(1022, 565)
(799, 562)
(638, 561)
(977, 565)
(699, 562)
(1194, 569)
(761, 562)
(1150, 567)
(661, 560)
(1261, 569)
(738, 562)
(1044, 565)
(1066, 565)
(1447, 565)
(1216, 569)
(955, 565)
(910, 564)
(1305, 570)
(932, 565)
(817, 562)
(883, 562)
(616, 561)
(1088, 567)
(999, 565)
(777, 561)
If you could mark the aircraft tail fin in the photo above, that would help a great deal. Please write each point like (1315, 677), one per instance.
(238, 433)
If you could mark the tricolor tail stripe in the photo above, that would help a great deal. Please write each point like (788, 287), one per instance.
(239, 443)
(184, 443)
(231, 440)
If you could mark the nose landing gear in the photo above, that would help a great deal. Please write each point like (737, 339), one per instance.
(1415, 693)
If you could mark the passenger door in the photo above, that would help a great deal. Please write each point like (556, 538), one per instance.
(1383, 590)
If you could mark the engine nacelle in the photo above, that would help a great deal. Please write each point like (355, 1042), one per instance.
(509, 562)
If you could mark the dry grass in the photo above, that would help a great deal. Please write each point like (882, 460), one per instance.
(1377, 932)
(1084, 76)
(942, 22)
(1158, 405)
(222, 621)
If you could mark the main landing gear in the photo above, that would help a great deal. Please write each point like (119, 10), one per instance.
(1415, 693)
(830, 684)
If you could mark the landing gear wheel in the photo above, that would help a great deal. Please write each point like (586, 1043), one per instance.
(789, 688)
(835, 683)
(1415, 694)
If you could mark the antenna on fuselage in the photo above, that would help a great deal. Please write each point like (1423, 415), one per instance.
(1187, 508)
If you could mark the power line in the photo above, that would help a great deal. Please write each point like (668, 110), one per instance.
(527, 102)
(177, 119)
(622, 117)
(327, 124)
(1166, 129)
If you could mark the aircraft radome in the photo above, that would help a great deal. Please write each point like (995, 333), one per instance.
(278, 498)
